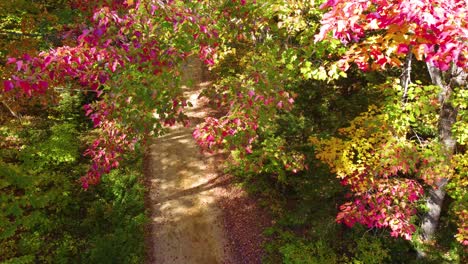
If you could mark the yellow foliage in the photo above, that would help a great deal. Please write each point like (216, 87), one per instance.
(458, 185)
(356, 154)
(376, 145)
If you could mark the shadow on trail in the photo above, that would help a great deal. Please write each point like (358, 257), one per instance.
(213, 183)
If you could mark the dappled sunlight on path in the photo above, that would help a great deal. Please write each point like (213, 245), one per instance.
(187, 225)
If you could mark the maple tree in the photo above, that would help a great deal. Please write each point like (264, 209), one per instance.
(378, 161)
(118, 45)
(40, 159)
(256, 75)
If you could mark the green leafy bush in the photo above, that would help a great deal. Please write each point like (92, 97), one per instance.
(45, 216)
(369, 251)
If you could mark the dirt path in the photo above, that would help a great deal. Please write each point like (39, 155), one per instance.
(187, 224)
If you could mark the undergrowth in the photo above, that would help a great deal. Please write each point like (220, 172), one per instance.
(45, 215)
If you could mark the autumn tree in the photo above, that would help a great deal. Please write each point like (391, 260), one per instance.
(387, 160)
(119, 51)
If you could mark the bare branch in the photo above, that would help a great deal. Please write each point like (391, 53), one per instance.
(13, 113)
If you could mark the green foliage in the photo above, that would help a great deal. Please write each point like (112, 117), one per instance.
(28, 25)
(115, 220)
(154, 94)
(60, 149)
(317, 253)
(460, 128)
(45, 216)
(370, 251)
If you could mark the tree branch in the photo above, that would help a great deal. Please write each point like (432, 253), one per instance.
(20, 34)
(16, 115)
(405, 78)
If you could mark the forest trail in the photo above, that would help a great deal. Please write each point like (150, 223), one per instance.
(186, 223)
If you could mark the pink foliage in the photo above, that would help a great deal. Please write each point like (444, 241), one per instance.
(112, 41)
(386, 203)
(215, 133)
(438, 29)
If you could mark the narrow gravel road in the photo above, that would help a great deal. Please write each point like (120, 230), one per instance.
(187, 225)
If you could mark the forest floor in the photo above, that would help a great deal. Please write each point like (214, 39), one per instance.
(198, 215)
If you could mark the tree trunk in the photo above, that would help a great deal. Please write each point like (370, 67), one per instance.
(447, 117)
(431, 219)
